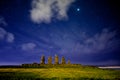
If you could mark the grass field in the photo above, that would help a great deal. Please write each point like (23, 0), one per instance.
(58, 74)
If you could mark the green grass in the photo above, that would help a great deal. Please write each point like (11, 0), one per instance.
(81, 73)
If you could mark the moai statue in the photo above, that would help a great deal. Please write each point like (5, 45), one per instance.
(49, 60)
(69, 62)
(42, 60)
(63, 61)
(56, 59)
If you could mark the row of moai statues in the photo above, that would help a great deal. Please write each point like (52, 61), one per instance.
(56, 60)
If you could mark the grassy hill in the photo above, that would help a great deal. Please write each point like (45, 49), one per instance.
(59, 73)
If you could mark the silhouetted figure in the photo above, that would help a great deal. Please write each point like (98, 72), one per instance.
(63, 61)
(56, 59)
(49, 60)
(42, 60)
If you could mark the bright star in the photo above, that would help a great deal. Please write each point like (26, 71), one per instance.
(78, 9)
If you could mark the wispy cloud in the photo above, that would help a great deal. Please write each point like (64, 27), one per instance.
(10, 37)
(99, 42)
(104, 41)
(2, 21)
(6, 36)
(28, 46)
(45, 10)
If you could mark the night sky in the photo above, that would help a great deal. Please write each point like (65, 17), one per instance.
(83, 31)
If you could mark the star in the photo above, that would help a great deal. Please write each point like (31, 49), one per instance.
(78, 9)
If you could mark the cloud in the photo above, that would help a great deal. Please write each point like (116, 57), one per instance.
(104, 41)
(2, 33)
(45, 10)
(99, 42)
(6, 36)
(28, 46)
(2, 21)
(10, 37)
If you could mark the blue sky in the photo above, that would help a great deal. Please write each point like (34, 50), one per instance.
(84, 31)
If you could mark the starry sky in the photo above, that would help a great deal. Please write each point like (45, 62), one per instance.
(83, 31)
